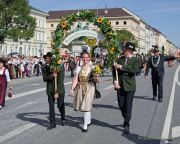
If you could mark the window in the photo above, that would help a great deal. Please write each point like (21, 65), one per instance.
(52, 34)
(52, 25)
(125, 22)
(117, 23)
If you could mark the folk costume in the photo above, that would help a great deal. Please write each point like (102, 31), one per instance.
(4, 79)
(156, 63)
(50, 90)
(127, 82)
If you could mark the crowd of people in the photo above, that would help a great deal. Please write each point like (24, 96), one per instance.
(83, 89)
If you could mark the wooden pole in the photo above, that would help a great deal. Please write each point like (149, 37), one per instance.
(117, 86)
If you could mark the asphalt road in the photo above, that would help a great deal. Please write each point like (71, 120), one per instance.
(24, 120)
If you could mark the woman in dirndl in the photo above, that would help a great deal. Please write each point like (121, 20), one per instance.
(4, 79)
(84, 85)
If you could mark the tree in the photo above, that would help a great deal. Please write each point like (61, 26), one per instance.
(15, 20)
(128, 36)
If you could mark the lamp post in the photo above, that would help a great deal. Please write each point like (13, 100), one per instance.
(101, 2)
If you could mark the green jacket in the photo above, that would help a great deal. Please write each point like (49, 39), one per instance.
(127, 73)
(50, 86)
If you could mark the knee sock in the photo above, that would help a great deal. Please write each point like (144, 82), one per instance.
(87, 119)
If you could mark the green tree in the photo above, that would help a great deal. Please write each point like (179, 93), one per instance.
(128, 36)
(15, 20)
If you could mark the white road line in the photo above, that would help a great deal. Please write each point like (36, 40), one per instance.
(31, 92)
(109, 87)
(167, 123)
(176, 132)
(178, 83)
(28, 103)
(16, 132)
(26, 93)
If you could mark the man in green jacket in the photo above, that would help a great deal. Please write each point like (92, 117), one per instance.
(48, 77)
(127, 67)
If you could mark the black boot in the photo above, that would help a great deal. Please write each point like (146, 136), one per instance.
(51, 126)
(126, 129)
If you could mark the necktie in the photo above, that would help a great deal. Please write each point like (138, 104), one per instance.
(126, 60)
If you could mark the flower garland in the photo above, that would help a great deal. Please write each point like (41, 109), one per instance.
(155, 65)
(103, 24)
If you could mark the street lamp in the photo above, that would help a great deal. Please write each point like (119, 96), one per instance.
(102, 2)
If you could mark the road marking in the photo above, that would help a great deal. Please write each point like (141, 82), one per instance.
(167, 123)
(31, 92)
(26, 93)
(16, 132)
(109, 87)
(176, 132)
(28, 103)
(35, 84)
(178, 83)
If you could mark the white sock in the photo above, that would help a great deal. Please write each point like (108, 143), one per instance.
(87, 119)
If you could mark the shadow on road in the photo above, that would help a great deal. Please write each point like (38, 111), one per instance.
(143, 97)
(135, 138)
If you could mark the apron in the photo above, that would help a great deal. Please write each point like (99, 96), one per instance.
(3, 85)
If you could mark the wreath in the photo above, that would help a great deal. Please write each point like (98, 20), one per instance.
(104, 25)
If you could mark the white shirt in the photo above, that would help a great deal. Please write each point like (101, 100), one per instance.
(6, 73)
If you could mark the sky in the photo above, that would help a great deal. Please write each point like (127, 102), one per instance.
(164, 15)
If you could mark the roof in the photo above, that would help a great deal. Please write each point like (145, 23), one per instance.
(111, 12)
(35, 9)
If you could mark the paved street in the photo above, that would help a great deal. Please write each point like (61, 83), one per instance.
(24, 119)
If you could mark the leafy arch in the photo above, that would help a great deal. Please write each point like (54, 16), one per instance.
(104, 27)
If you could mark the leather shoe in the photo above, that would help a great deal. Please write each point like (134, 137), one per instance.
(63, 122)
(154, 98)
(84, 130)
(126, 130)
(160, 100)
(51, 127)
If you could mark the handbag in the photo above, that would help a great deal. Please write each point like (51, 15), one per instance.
(97, 94)
(10, 93)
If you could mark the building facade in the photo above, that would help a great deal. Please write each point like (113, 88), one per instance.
(120, 18)
(37, 45)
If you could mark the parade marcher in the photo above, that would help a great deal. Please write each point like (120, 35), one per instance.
(48, 77)
(84, 83)
(72, 66)
(4, 79)
(156, 63)
(127, 67)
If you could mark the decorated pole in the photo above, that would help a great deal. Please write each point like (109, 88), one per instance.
(116, 82)
(56, 96)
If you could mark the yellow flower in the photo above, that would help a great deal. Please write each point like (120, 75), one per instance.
(63, 24)
(99, 20)
(96, 70)
(59, 62)
(112, 50)
(108, 23)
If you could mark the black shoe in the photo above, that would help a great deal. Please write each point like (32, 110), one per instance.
(154, 98)
(126, 130)
(63, 122)
(51, 127)
(160, 100)
(84, 130)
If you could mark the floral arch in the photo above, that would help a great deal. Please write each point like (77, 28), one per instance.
(104, 26)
